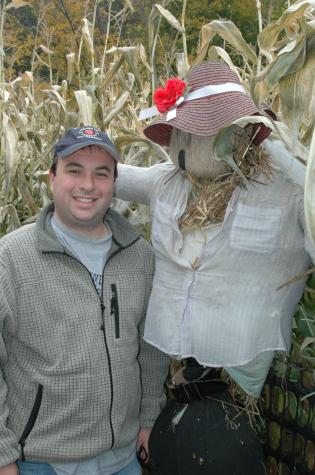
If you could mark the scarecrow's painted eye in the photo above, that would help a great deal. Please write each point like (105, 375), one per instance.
(181, 159)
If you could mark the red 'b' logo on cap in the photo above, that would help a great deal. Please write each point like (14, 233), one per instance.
(89, 132)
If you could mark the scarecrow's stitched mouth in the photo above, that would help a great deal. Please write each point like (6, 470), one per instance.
(181, 159)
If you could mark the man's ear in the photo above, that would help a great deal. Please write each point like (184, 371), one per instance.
(52, 176)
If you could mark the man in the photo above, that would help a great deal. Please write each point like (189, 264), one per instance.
(77, 380)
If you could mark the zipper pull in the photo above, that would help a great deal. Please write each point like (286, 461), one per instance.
(114, 309)
(22, 445)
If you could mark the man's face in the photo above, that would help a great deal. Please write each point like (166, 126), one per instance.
(83, 188)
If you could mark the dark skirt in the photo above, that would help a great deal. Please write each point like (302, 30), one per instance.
(209, 439)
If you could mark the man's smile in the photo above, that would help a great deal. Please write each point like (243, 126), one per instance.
(84, 199)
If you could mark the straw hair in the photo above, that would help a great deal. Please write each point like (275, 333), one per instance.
(207, 115)
(208, 199)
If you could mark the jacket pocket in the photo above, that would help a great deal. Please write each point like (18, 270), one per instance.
(31, 420)
(114, 309)
(256, 229)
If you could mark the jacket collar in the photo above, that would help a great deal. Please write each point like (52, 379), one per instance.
(46, 241)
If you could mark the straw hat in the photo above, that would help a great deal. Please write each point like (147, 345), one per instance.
(206, 115)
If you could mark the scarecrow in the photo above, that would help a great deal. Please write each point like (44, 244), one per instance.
(226, 233)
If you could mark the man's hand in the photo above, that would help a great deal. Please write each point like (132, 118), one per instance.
(142, 445)
(11, 469)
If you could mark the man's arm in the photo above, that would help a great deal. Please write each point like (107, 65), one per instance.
(9, 449)
(154, 369)
(154, 366)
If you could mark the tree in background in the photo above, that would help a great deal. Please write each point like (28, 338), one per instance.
(40, 34)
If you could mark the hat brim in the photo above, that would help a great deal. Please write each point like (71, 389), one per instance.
(205, 117)
(75, 147)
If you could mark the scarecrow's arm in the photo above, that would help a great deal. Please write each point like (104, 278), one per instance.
(137, 183)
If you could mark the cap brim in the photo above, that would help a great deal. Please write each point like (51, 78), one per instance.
(74, 148)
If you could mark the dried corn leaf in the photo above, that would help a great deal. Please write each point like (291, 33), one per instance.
(71, 120)
(56, 87)
(129, 5)
(296, 93)
(46, 50)
(4, 95)
(15, 81)
(29, 99)
(131, 55)
(216, 53)
(25, 192)
(137, 155)
(181, 65)
(307, 341)
(10, 147)
(309, 191)
(42, 61)
(128, 138)
(87, 35)
(22, 122)
(111, 74)
(152, 30)
(221, 143)
(119, 104)
(170, 18)
(143, 58)
(53, 111)
(85, 107)
(268, 38)
(259, 92)
(230, 33)
(145, 91)
(285, 63)
(17, 4)
(27, 77)
(70, 65)
(55, 95)
(9, 213)
(130, 81)
(44, 194)
(3, 212)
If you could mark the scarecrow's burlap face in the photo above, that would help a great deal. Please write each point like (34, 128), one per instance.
(195, 155)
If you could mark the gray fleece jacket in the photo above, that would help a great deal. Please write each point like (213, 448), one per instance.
(76, 377)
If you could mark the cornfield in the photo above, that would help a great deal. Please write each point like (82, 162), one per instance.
(119, 85)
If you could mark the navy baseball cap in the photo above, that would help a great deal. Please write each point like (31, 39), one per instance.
(80, 137)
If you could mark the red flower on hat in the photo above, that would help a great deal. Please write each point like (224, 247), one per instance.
(165, 98)
(89, 132)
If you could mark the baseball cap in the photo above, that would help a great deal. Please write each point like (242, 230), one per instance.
(79, 137)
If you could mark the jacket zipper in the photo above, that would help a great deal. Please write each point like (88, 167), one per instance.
(103, 328)
(31, 420)
(107, 351)
(110, 376)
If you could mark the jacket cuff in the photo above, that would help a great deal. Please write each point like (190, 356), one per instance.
(9, 448)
